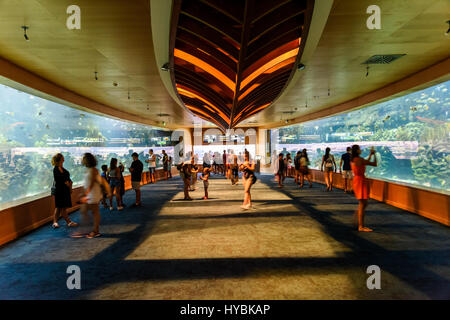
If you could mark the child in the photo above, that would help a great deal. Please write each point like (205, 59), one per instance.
(104, 176)
(185, 173)
(205, 177)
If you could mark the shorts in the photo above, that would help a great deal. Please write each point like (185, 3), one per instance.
(347, 174)
(205, 184)
(114, 182)
(151, 169)
(329, 169)
(136, 185)
(166, 167)
(304, 170)
(235, 173)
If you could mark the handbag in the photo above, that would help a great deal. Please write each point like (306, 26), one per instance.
(53, 189)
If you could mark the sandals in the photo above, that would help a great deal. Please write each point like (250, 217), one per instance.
(72, 224)
(55, 225)
(78, 235)
(93, 235)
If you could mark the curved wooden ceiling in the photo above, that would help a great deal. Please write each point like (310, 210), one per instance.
(230, 59)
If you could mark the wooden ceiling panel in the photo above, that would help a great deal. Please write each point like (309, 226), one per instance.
(116, 40)
(234, 63)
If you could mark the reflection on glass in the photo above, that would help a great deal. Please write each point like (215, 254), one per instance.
(34, 129)
(410, 134)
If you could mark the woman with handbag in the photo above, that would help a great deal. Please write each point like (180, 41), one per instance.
(61, 190)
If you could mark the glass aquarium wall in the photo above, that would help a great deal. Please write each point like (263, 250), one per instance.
(411, 135)
(34, 129)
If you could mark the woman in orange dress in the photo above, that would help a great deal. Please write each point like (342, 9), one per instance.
(360, 185)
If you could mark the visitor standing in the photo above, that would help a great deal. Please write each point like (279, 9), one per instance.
(170, 167)
(104, 175)
(346, 170)
(360, 183)
(330, 167)
(151, 166)
(165, 159)
(304, 170)
(114, 182)
(281, 170)
(61, 190)
(249, 179)
(205, 178)
(234, 171)
(136, 176)
(297, 166)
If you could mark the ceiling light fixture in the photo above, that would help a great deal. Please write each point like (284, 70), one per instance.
(25, 28)
(165, 67)
(96, 78)
(448, 30)
(301, 66)
(367, 68)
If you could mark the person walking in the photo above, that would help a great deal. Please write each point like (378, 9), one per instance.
(249, 178)
(136, 169)
(114, 182)
(281, 170)
(92, 196)
(151, 166)
(330, 167)
(304, 170)
(61, 191)
(360, 183)
(346, 170)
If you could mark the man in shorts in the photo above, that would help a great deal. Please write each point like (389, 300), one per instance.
(151, 166)
(346, 170)
(136, 175)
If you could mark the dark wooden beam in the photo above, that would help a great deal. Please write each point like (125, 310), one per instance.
(210, 35)
(231, 8)
(248, 14)
(212, 19)
(189, 38)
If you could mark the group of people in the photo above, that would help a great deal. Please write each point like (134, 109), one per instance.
(352, 167)
(98, 187)
(283, 167)
(230, 167)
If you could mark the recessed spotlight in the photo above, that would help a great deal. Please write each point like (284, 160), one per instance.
(165, 67)
(301, 66)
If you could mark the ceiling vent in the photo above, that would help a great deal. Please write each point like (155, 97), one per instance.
(383, 58)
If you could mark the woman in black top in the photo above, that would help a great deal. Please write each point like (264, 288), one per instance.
(62, 191)
(249, 179)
